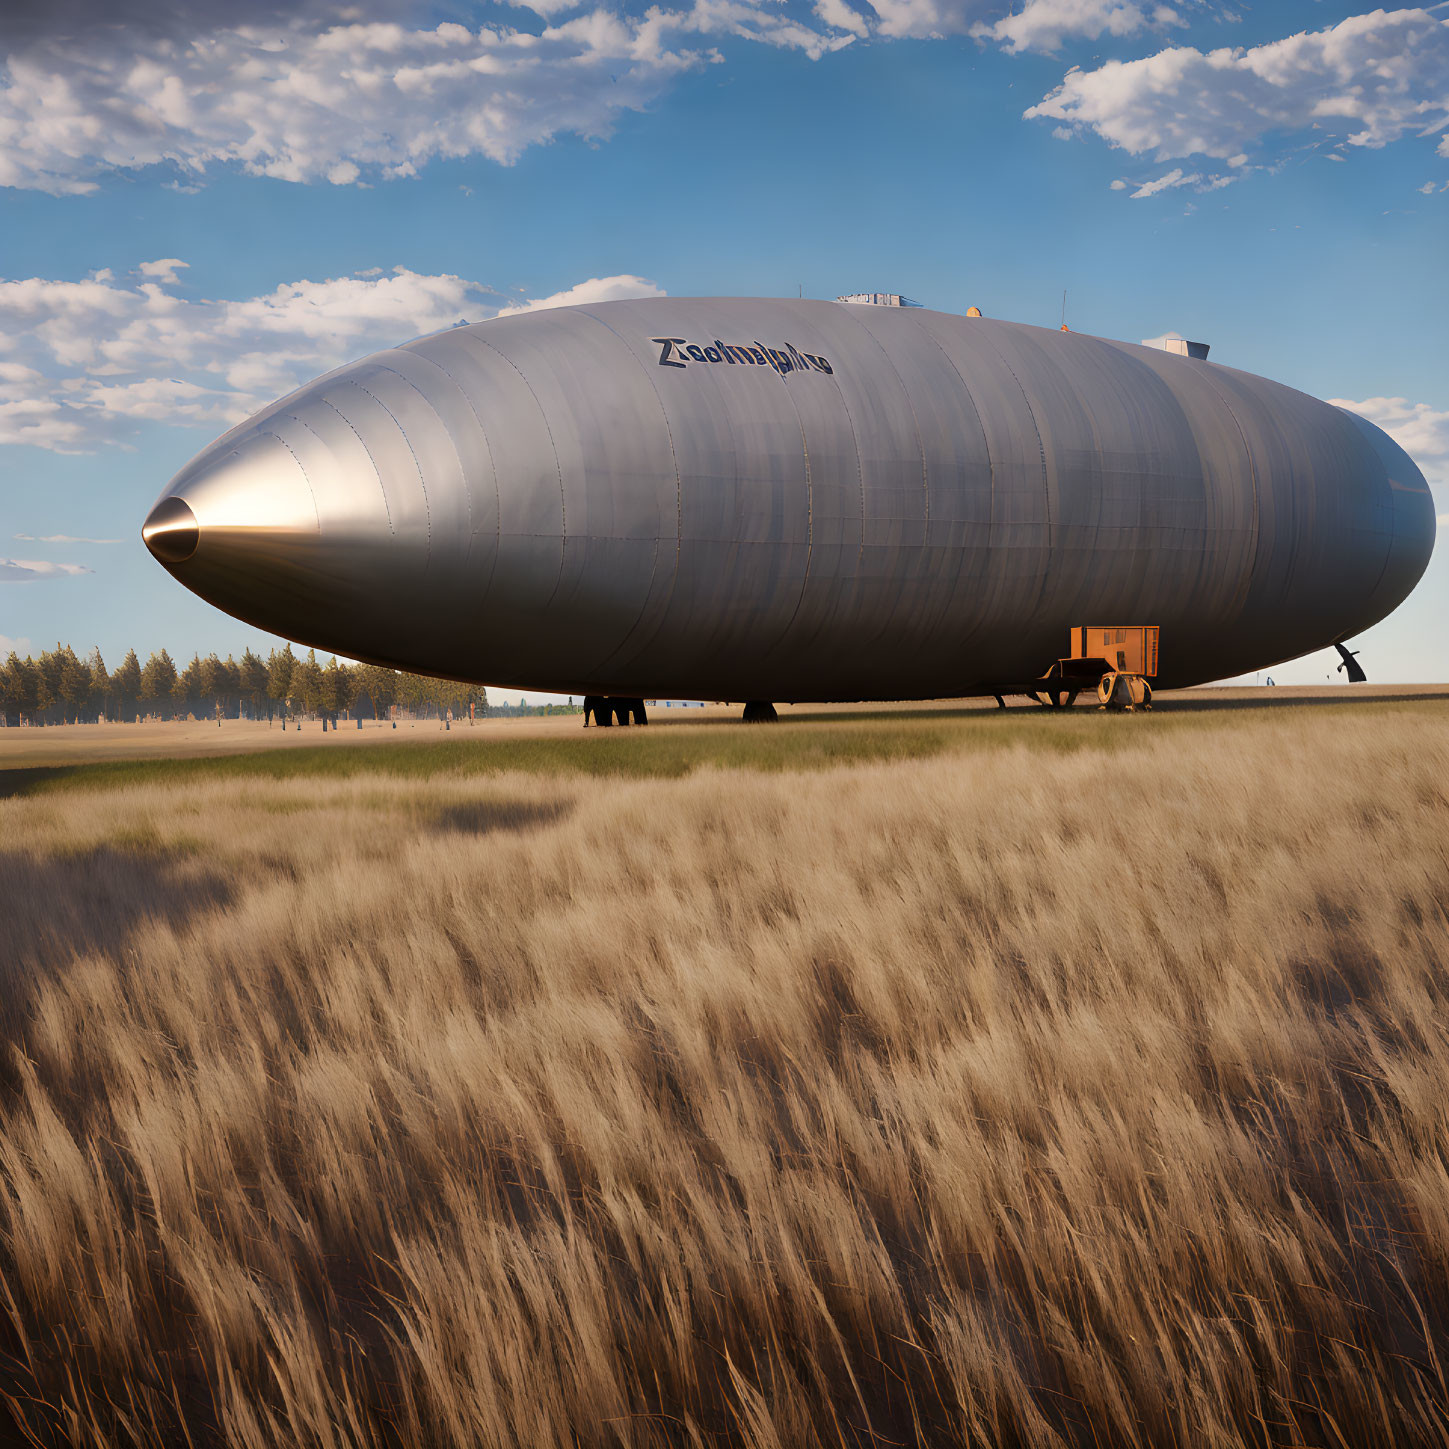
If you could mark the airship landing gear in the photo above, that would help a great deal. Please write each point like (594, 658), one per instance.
(604, 710)
(760, 711)
(1056, 698)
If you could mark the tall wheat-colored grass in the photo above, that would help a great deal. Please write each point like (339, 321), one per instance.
(999, 1098)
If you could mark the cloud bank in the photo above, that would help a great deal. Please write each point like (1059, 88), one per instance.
(81, 363)
(1369, 80)
(320, 92)
(359, 93)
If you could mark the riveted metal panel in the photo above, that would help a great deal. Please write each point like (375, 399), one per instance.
(462, 480)
(393, 457)
(525, 467)
(351, 505)
(953, 600)
(743, 504)
(890, 600)
(1215, 583)
(1020, 513)
(617, 475)
(434, 440)
(1125, 485)
(1320, 547)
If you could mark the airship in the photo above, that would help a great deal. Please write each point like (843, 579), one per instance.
(791, 500)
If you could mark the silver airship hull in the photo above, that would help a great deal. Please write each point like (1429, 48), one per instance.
(792, 500)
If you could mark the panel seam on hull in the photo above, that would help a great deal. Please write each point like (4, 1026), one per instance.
(563, 507)
(1045, 482)
(422, 482)
(1246, 591)
(361, 442)
(311, 491)
(859, 465)
(678, 499)
(452, 443)
(922, 327)
(492, 468)
(856, 316)
(784, 633)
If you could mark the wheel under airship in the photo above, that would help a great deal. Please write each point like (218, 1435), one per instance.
(793, 500)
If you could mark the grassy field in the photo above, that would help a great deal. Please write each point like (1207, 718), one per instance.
(933, 1078)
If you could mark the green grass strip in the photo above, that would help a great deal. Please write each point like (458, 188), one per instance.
(797, 743)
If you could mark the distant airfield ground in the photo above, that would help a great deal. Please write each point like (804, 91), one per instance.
(929, 722)
(924, 1075)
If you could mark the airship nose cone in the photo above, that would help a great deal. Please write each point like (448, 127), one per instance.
(170, 531)
(239, 524)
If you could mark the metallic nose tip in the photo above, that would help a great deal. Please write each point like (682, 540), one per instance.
(170, 532)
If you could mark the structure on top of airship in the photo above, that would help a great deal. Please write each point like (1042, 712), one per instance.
(793, 500)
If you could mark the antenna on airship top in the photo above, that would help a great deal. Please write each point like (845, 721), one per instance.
(1064, 309)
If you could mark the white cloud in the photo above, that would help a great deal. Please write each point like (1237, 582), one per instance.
(1175, 177)
(163, 271)
(1371, 79)
(9, 646)
(546, 8)
(1039, 25)
(838, 14)
(1420, 430)
(1427, 189)
(26, 570)
(1163, 340)
(749, 20)
(1042, 25)
(60, 538)
(1119, 185)
(81, 363)
(596, 289)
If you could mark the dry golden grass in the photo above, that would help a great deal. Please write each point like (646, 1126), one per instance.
(1001, 1098)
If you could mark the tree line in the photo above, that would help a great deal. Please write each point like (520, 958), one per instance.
(61, 687)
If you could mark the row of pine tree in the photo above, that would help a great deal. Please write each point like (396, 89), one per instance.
(61, 687)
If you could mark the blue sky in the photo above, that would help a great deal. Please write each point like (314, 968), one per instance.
(203, 205)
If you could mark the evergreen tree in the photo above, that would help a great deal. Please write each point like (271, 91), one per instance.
(126, 683)
(228, 687)
(307, 684)
(12, 690)
(280, 669)
(28, 688)
(378, 684)
(252, 682)
(47, 683)
(188, 687)
(158, 683)
(98, 704)
(208, 684)
(75, 685)
(333, 691)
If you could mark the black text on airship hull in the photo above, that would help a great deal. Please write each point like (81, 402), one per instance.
(756, 499)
